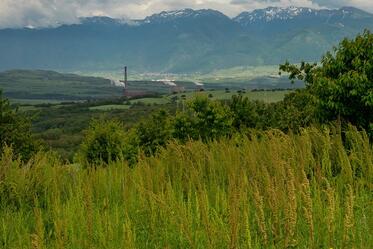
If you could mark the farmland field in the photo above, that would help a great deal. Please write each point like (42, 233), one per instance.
(266, 96)
(157, 101)
(109, 107)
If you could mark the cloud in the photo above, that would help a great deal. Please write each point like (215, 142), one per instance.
(362, 4)
(41, 13)
(255, 4)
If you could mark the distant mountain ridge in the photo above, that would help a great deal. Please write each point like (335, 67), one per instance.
(169, 16)
(271, 14)
(183, 40)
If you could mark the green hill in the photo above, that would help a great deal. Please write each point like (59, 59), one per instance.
(49, 86)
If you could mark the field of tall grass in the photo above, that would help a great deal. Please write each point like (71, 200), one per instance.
(267, 190)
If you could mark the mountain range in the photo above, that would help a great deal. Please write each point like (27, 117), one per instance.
(183, 41)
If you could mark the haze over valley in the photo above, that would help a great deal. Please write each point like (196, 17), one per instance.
(183, 41)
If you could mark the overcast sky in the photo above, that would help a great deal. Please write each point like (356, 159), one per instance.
(38, 13)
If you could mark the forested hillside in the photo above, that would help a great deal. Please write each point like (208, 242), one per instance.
(183, 41)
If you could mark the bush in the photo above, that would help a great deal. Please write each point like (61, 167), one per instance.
(204, 119)
(105, 141)
(15, 131)
(244, 112)
(154, 132)
(297, 110)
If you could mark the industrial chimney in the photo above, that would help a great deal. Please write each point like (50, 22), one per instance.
(125, 75)
(124, 81)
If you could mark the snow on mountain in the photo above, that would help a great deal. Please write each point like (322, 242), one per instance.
(267, 15)
(166, 16)
(162, 17)
(107, 21)
(272, 14)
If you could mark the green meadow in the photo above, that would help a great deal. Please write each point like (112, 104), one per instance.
(267, 190)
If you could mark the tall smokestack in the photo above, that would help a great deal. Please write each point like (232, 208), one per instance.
(124, 81)
(125, 75)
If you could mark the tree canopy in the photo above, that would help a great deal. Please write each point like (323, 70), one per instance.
(15, 131)
(343, 82)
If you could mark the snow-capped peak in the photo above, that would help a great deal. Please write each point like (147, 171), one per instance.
(274, 13)
(175, 14)
(271, 14)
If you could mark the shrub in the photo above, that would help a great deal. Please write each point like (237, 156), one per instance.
(15, 131)
(203, 119)
(153, 132)
(105, 141)
(244, 112)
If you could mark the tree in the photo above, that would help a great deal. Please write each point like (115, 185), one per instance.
(154, 132)
(15, 131)
(244, 112)
(343, 83)
(203, 118)
(295, 111)
(105, 141)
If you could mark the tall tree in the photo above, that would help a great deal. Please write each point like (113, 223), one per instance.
(203, 119)
(343, 82)
(15, 131)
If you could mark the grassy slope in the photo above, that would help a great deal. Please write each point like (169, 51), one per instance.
(48, 86)
(276, 191)
(109, 107)
(266, 96)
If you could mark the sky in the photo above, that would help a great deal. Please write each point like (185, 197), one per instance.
(43, 13)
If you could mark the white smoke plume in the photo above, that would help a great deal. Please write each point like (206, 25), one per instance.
(167, 82)
(117, 83)
(197, 83)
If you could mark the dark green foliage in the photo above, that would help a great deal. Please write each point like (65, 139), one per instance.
(154, 132)
(206, 119)
(297, 110)
(105, 142)
(183, 127)
(15, 131)
(61, 126)
(203, 119)
(244, 112)
(343, 83)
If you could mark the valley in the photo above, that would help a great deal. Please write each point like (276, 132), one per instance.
(62, 105)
